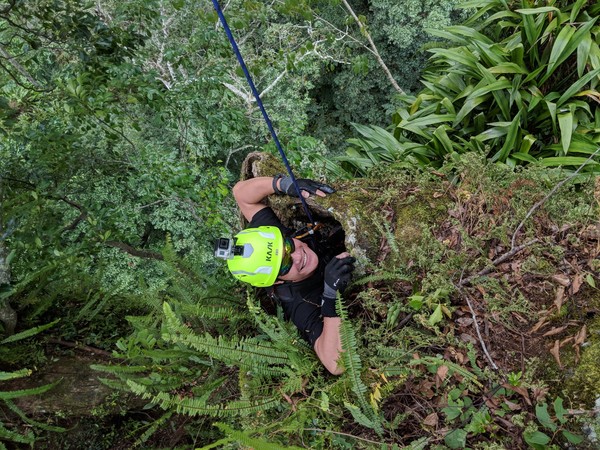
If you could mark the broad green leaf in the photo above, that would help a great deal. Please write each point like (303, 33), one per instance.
(526, 144)
(523, 157)
(452, 412)
(461, 56)
(566, 161)
(541, 412)
(436, 316)
(442, 136)
(572, 438)
(576, 8)
(511, 139)
(583, 54)
(565, 44)
(559, 410)
(508, 67)
(536, 439)
(590, 280)
(456, 438)
(565, 123)
(577, 86)
(541, 10)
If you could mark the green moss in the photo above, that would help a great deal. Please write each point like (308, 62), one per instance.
(584, 386)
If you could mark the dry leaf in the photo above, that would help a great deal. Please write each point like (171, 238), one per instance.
(512, 406)
(519, 390)
(465, 321)
(440, 375)
(555, 351)
(577, 282)
(562, 279)
(431, 420)
(560, 296)
(538, 325)
(438, 194)
(566, 341)
(555, 330)
(581, 336)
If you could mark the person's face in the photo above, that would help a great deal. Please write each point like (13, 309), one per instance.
(304, 263)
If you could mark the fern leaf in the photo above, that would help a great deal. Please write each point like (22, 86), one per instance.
(247, 440)
(9, 395)
(353, 367)
(28, 333)
(14, 408)
(13, 436)
(16, 374)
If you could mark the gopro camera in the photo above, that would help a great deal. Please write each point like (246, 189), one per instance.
(224, 248)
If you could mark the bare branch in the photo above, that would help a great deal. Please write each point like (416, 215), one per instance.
(13, 62)
(146, 254)
(364, 30)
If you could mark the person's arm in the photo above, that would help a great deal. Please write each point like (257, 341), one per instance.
(249, 194)
(328, 346)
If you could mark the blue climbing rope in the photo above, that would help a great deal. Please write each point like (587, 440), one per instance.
(260, 105)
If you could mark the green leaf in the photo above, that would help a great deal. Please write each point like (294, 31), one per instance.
(359, 416)
(28, 333)
(566, 161)
(541, 10)
(436, 316)
(559, 410)
(541, 412)
(416, 302)
(456, 438)
(511, 139)
(452, 412)
(590, 280)
(565, 123)
(577, 86)
(16, 374)
(572, 438)
(536, 439)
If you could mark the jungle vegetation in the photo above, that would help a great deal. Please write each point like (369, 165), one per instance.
(463, 140)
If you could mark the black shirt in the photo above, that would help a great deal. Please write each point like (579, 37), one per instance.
(301, 300)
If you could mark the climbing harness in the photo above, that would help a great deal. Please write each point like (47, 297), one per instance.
(260, 105)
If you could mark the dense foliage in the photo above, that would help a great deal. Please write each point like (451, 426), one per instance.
(519, 85)
(123, 126)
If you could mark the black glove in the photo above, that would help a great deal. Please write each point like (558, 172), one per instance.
(338, 274)
(287, 186)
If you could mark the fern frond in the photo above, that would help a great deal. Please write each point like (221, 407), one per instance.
(198, 406)
(153, 428)
(28, 333)
(13, 436)
(247, 440)
(385, 276)
(353, 367)
(14, 408)
(9, 395)
(16, 374)
(239, 352)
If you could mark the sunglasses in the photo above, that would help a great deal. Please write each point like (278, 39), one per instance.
(286, 262)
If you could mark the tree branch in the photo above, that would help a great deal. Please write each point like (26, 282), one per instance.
(366, 33)
(146, 254)
(13, 62)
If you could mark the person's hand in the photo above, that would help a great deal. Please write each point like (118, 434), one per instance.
(307, 187)
(338, 274)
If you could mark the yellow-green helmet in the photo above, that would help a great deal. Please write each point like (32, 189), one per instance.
(258, 256)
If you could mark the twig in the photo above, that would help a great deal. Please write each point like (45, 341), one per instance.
(499, 260)
(77, 346)
(550, 194)
(474, 316)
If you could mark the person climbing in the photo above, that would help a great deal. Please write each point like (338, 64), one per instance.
(304, 281)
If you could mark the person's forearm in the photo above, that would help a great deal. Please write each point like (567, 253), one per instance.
(328, 346)
(249, 194)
